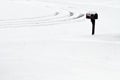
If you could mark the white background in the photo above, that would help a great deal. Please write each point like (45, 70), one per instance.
(65, 51)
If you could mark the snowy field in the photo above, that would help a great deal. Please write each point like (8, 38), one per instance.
(51, 40)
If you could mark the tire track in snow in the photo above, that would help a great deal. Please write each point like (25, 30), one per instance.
(60, 16)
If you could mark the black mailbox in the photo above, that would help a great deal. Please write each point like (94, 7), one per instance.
(92, 16)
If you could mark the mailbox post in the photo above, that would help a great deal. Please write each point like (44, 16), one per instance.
(92, 16)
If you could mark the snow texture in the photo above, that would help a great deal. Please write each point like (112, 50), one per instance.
(51, 40)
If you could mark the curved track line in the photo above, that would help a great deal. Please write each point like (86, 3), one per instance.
(33, 18)
(61, 16)
(58, 16)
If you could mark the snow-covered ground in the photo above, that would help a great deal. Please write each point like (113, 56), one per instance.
(51, 40)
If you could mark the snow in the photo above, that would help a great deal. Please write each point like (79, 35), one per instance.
(45, 41)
